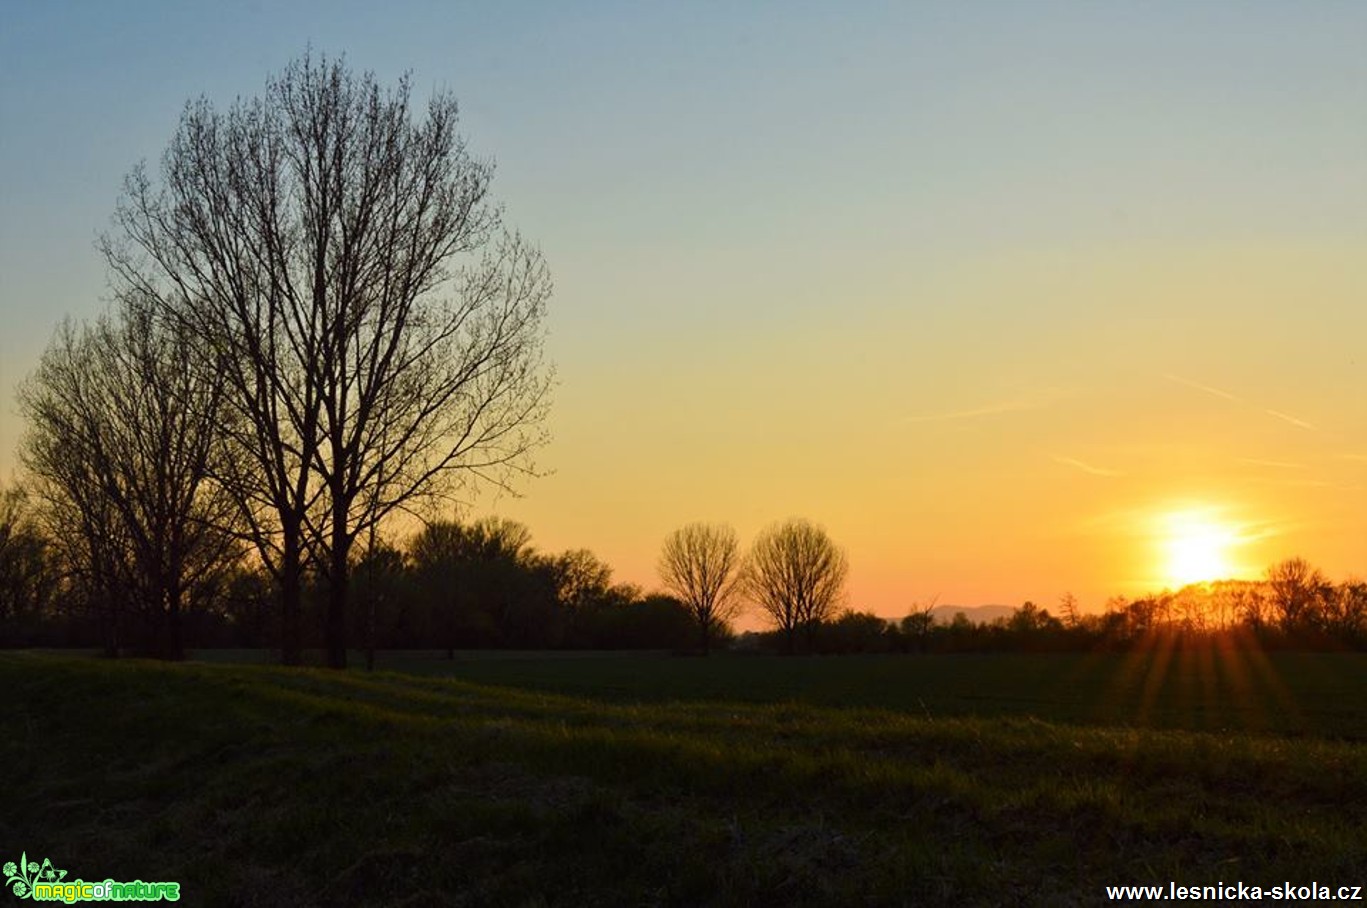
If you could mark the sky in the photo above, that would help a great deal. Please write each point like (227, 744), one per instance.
(1014, 299)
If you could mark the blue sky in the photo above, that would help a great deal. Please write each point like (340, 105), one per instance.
(794, 244)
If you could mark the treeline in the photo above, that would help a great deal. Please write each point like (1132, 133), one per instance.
(452, 586)
(483, 585)
(1293, 607)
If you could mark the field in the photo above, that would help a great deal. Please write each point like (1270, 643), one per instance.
(529, 779)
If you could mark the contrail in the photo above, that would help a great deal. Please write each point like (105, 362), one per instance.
(1086, 467)
(1300, 423)
(1285, 417)
(1278, 464)
(1200, 387)
(991, 410)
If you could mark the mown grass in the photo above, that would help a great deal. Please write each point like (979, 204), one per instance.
(255, 785)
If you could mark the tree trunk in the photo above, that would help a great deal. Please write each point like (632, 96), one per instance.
(172, 595)
(109, 627)
(175, 649)
(335, 630)
(370, 626)
(291, 597)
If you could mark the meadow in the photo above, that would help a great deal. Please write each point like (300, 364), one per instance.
(645, 779)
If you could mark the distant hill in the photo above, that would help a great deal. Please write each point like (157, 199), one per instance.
(978, 614)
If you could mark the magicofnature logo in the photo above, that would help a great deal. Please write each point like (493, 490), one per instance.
(46, 883)
(21, 877)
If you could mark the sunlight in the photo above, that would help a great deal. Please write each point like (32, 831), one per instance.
(1196, 546)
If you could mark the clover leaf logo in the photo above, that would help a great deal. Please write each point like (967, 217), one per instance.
(22, 876)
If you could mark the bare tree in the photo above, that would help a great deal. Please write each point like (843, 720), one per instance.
(27, 575)
(1347, 611)
(78, 517)
(1295, 590)
(796, 574)
(1070, 610)
(919, 622)
(382, 333)
(700, 564)
(119, 439)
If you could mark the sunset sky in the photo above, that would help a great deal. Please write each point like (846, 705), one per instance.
(1015, 299)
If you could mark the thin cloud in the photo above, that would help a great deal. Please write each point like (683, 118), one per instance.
(1200, 387)
(1299, 423)
(1086, 467)
(1286, 483)
(1225, 395)
(976, 412)
(1275, 464)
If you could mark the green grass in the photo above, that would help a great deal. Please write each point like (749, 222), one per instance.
(957, 780)
(1197, 689)
(1292, 693)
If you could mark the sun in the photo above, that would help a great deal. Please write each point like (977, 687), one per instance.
(1196, 548)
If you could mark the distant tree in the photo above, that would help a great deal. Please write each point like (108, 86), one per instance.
(1031, 627)
(441, 556)
(918, 625)
(960, 633)
(248, 607)
(1069, 610)
(580, 585)
(624, 619)
(484, 584)
(1249, 605)
(119, 439)
(380, 573)
(581, 580)
(665, 622)
(1191, 607)
(28, 575)
(1347, 617)
(701, 565)
(1294, 589)
(796, 574)
(1226, 603)
(379, 332)
(855, 632)
(1143, 617)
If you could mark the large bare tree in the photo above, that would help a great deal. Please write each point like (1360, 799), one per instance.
(796, 574)
(381, 331)
(700, 564)
(119, 438)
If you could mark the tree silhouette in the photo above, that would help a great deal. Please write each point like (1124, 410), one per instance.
(700, 564)
(1294, 589)
(379, 331)
(796, 574)
(27, 571)
(380, 573)
(480, 582)
(119, 439)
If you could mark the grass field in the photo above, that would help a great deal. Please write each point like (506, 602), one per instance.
(647, 780)
(1197, 689)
